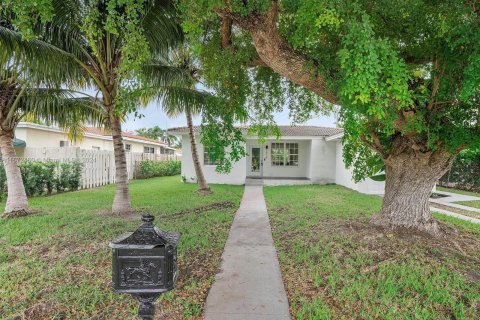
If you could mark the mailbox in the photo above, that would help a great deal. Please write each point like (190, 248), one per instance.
(145, 264)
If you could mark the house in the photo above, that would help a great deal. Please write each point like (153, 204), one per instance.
(32, 135)
(302, 155)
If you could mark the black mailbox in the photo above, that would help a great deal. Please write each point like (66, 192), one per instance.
(145, 264)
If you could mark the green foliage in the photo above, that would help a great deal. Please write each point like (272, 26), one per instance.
(26, 13)
(224, 141)
(73, 226)
(40, 178)
(398, 69)
(353, 276)
(157, 133)
(111, 19)
(69, 176)
(465, 171)
(150, 169)
(102, 44)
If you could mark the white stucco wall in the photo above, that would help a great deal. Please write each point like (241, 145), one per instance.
(322, 161)
(41, 138)
(236, 176)
(269, 170)
(319, 160)
(343, 176)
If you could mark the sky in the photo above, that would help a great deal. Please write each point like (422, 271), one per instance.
(153, 116)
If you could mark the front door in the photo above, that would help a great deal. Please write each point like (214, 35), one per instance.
(256, 162)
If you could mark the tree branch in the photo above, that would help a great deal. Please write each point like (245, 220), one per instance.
(275, 52)
(226, 32)
(375, 145)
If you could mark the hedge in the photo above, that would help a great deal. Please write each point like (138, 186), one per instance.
(40, 178)
(465, 172)
(150, 169)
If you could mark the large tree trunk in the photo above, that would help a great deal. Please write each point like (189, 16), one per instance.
(121, 202)
(410, 178)
(202, 183)
(16, 197)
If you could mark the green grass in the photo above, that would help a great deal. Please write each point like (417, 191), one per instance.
(473, 204)
(468, 193)
(336, 265)
(59, 259)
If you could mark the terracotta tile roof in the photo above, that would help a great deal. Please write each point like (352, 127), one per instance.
(288, 131)
(102, 132)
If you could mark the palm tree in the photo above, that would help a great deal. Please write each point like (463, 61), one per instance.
(18, 99)
(81, 45)
(152, 133)
(183, 97)
(157, 133)
(170, 139)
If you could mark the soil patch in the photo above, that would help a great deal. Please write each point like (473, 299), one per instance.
(19, 213)
(213, 206)
(134, 214)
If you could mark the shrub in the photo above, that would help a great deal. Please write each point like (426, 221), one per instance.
(150, 169)
(41, 178)
(465, 171)
(69, 176)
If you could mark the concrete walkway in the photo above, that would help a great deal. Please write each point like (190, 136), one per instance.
(456, 197)
(249, 286)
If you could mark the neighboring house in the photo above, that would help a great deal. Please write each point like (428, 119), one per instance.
(32, 135)
(302, 155)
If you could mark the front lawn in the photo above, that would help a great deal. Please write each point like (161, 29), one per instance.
(57, 264)
(336, 265)
(473, 204)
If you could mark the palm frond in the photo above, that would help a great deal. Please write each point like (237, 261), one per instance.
(161, 74)
(161, 25)
(51, 64)
(178, 99)
(64, 108)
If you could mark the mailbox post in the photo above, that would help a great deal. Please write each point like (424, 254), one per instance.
(145, 264)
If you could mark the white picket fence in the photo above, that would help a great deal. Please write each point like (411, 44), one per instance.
(98, 165)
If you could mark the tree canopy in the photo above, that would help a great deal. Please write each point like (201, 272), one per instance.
(403, 72)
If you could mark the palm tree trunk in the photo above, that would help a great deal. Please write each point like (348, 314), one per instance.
(202, 183)
(16, 196)
(121, 202)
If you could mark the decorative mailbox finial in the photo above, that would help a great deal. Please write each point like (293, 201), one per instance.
(145, 264)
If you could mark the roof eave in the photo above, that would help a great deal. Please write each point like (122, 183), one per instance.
(334, 137)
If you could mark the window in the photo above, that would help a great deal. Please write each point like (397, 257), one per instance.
(128, 147)
(149, 150)
(64, 143)
(95, 148)
(284, 154)
(206, 158)
(278, 154)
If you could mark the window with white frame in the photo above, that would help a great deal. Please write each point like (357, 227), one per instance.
(285, 154)
(206, 158)
(149, 150)
(128, 147)
(64, 143)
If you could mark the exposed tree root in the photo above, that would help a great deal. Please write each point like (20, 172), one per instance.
(429, 227)
(17, 214)
(204, 192)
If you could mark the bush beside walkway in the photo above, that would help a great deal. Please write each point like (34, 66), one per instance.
(336, 265)
(57, 264)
